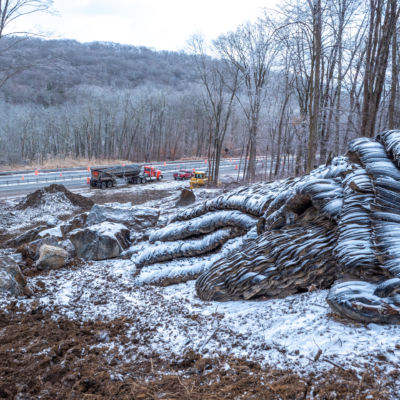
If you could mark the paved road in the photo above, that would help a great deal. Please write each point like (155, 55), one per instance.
(20, 183)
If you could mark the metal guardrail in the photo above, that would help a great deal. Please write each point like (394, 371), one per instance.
(153, 163)
(41, 179)
(38, 180)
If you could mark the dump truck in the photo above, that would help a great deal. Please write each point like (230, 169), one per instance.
(133, 173)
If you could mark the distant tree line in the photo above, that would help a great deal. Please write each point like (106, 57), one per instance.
(296, 86)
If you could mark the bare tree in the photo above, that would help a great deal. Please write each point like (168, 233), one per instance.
(337, 59)
(12, 10)
(252, 50)
(382, 24)
(394, 83)
(314, 104)
(220, 80)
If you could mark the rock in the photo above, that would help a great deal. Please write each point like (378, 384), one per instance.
(77, 222)
(187, 197)
(31, 250)
(11, 279)
(134, 217)
(52, 221)
(51, 257)
(100, 241)
(26, 237)
(55, 232)
(68, 246)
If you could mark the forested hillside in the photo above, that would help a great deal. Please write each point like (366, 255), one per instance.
(98, 100)
(296, 86)
(53, 68)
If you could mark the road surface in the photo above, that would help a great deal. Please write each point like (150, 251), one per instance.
(19, 183)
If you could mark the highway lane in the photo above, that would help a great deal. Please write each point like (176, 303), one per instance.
(21, 183)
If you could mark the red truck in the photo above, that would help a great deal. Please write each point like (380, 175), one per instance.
(107, 177)
(183, 174)
(150, 173)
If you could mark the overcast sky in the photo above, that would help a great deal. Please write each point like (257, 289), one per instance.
(161, 24)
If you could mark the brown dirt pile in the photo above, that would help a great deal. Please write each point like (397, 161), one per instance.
(139, 197)
(35, 199)
(186, 197)
(62, 359)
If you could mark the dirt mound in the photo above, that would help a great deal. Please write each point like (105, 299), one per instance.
(52, 359)
(135, 197)
(187, 197)
(37, 198)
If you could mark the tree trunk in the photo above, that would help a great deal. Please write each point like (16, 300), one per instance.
(379, 38)
(314, 103)
(393, 87)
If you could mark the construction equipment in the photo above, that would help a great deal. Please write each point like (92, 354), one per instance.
(198, 179)
(107, 177)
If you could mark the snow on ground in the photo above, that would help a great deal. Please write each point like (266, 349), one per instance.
(285, 333)
(297, 332)
(53, 205)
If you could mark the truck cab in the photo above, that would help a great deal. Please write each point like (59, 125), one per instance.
(150, 172)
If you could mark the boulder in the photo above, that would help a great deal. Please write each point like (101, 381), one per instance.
(32, 250)
(100, 241)
(68, 247)
(77, 222)
(26, 237)
(51, 257)
(11, 279)
(132, 216)
(186, 198)
(54, 232)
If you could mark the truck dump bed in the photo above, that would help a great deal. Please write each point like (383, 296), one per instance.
(117, 171)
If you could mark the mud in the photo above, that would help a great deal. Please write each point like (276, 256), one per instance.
(140, 197)
(47, 358)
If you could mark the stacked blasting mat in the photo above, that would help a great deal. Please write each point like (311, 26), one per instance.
(206, 227)
(293, 252)
(377, 297)
(337, 228)
(278, 263)
(204, 232)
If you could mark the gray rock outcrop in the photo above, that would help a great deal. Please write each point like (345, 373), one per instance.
(77, 222)
(32, 250)
(26, 237)
(100, 241)
(133, 217)
(11, 279)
